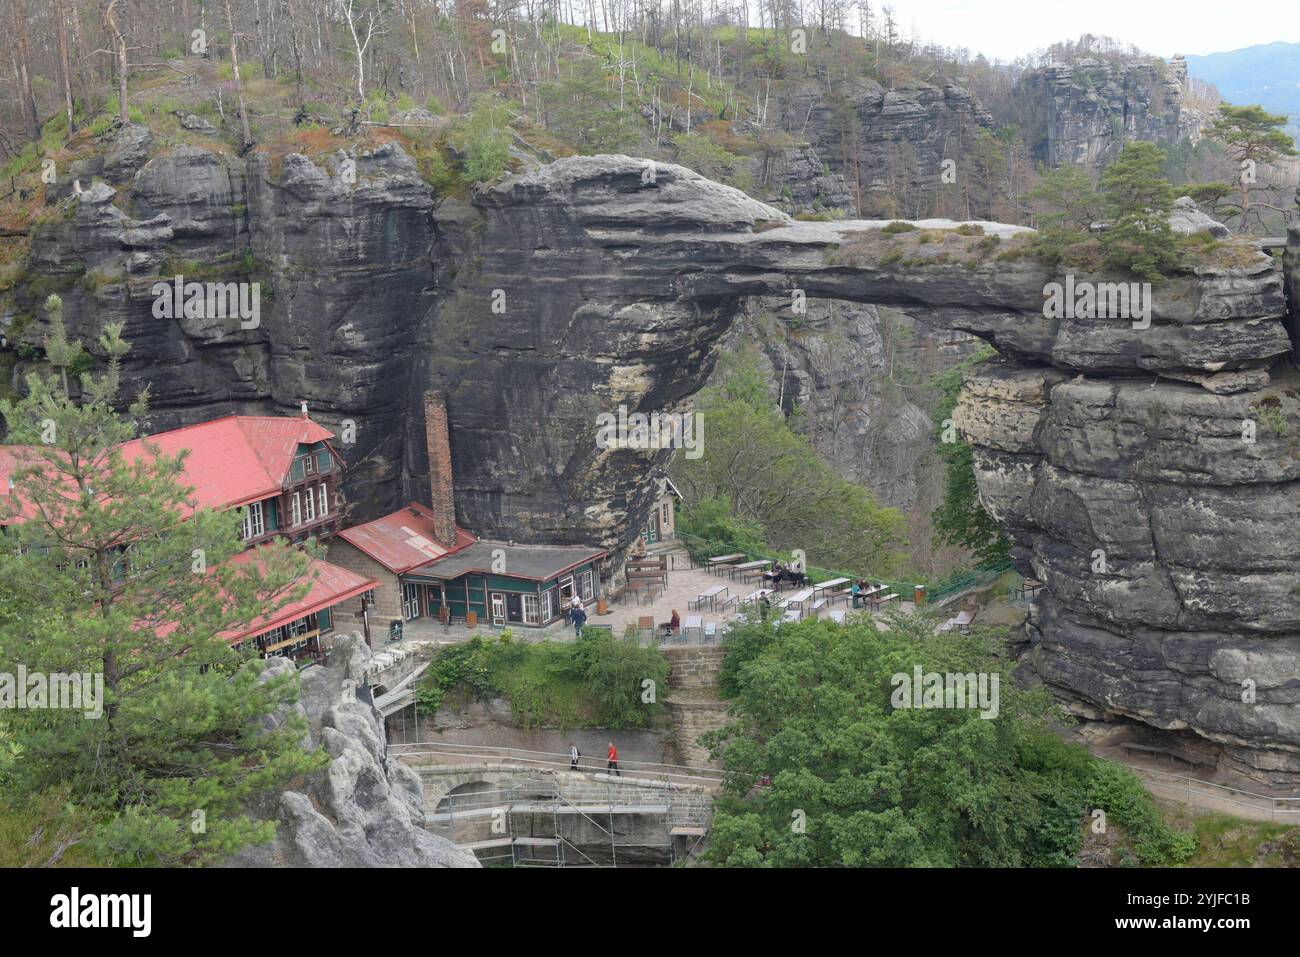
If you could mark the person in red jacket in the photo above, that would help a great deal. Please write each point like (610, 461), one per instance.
(613, 759)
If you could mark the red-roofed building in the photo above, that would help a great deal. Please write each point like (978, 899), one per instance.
(385, 549)
(284, 475)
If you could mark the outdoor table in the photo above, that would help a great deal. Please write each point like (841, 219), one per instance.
(745, 568)
(694, 623)
(828, 585)
(718, 561)
(1031, 585)
(711, 595)
(838, 616)
(798, 598)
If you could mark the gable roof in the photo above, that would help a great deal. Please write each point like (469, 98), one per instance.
(404, 539)
(233, 460)
(237, 459)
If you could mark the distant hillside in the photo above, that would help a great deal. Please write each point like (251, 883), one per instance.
(1267, 74)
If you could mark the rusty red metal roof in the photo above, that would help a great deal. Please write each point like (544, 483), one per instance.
(403, 539)
(232, 461)
(238, 459)
(330, 586)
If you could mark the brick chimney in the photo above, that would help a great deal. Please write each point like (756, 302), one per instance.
(442, 490)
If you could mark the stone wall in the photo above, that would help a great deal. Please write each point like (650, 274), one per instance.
(694, 666)
(692, 700)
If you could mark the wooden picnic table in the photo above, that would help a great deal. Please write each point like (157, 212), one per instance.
(828, 585)
(693, 623)
(711, 595)
(756, 596)
(838, 616)
(1031, 585)
(717, 561)
(798, 598)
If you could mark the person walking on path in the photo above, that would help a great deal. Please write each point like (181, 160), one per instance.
(578, 613)
(613, 760)
(574, 754)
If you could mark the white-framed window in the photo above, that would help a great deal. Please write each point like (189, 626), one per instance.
(566, 589)
(530, 610)
(548, 604)
(254, 521)
(309, 465)
(585, 587)
(322, 499)
(666, 519)
(296, 508)
(310, 503)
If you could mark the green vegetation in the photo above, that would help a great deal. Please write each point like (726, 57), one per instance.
(1252, 138)
(960, 519)
(1138, 201)
(597, 681)
(113, 576)
(758, 473)
(856, 781)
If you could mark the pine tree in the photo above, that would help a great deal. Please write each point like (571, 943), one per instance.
(109, 570)
(1138, 201)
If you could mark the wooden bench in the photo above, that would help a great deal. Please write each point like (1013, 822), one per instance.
(648, 575)
(1194, 760)
(878, 600)
(818, 605)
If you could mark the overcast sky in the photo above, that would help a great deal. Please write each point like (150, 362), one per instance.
(1006, 29)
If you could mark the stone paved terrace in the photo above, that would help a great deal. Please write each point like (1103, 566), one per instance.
(684, 584)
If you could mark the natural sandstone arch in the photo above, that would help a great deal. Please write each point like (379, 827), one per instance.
(619, 283)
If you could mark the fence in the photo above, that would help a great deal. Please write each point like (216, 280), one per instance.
(1186, 788)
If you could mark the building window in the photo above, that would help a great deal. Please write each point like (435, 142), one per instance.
(309, 465)
(310, 502)
(548, 604)
(323, 499)
(530, 610)
(584, 586)
(296, 508)
(254, 521)
(666, 521)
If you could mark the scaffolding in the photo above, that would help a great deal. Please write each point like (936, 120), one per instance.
(504, 811)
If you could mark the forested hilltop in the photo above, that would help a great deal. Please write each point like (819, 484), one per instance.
(914, 129)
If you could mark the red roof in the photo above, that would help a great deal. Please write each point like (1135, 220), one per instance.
(403, 539)
(233, 460)
(331, 585)
(237, 459)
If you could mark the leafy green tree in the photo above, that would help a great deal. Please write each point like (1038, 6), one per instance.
(1065, 206)
(110, 571)
(1138, 202)
(856, 781)
(960, 519)
(582, 109)
(484, 140)
(1252, 137)
(771, 477)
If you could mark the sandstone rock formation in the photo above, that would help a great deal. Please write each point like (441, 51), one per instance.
(363, 810)
(565, 291)
(1091, 107)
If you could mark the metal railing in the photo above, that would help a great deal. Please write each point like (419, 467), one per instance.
(1189, 787)
(654, 771)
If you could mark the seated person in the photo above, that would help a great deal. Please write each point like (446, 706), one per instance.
(675, 623)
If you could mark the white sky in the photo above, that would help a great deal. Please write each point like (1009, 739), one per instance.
(1006, 29)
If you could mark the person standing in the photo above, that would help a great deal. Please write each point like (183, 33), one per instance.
(574, 754)
(578, 614)
(613, 760)
(857, 594)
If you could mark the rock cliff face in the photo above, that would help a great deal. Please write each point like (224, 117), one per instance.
(1163, 520)
(364, 809)
(563, 293)
(1085, 111)
(891, 142)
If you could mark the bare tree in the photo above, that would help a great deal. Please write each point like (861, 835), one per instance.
(119, 49)
(239, 83)
(26, 100)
